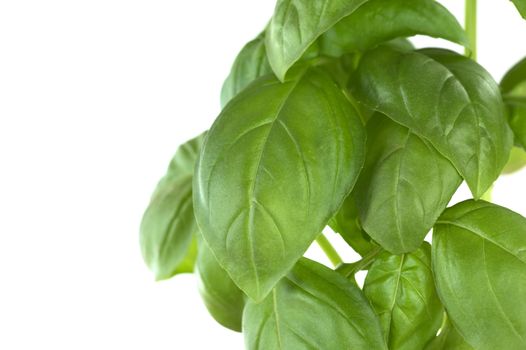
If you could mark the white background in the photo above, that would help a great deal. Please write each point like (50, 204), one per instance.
(95, 96)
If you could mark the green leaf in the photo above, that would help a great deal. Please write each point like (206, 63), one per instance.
(448, 339)
(513, 86)
(312, 308)
(404, 187)
(295, 26)
(521, 7)
(479, 263)
(402, 292)
(250, 64)
(378, 21)
(445, 98)
(187, 264)
(275, 167)
(223, 299)
(515, 76)
(347, 223)
(168, 224)
(516, 162)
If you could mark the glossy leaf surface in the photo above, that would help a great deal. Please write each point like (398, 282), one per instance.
(457, 107)
(168, 225)
(378, 21)
(347, 223)
(313, 307)
(404, 186)
(402, 292)
(223, 299)
(250, 64)
(295, 26)
(479, 262)
(275, 167)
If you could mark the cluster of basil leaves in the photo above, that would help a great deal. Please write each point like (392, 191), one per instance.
(331, 117)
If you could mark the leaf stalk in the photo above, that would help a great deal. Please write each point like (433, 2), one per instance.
(329, 250)
(471, 28)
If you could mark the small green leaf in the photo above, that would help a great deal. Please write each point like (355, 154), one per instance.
(448, 339)
(404, 187)
(168, 224)
(521, 7)
(250, 64)
(378, 21)
(445, 98)
(313, 307)
(479, 263)
(402, 292)
(513, 86)
(295, 26)
(347, 223)
(223, 299)
(275, 167)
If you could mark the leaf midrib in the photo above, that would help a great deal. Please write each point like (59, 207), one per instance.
(251, 194)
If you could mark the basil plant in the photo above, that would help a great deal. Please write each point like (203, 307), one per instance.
(330, 117)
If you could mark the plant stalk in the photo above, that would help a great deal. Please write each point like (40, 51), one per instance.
(329, 250)
(471, 28)
(349, 270)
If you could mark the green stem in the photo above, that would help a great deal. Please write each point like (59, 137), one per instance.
(349, 270)
(471, 28)
(329, 250)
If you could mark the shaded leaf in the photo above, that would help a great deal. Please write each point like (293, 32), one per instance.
(479, 263)
(275, 167)
(223, 299)
(168, 224)
(442, 97)
(404, 186)
(250, 64)
(313, 307)
(513, 86)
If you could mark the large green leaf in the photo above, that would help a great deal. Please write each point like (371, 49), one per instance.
(312, 308)
(404, 186)
(377, 21)
(448, 339)
(223, 299)
(275, 167)
(295, 26)
(346, 222)
(168, 224)
(521, 7)
(447, 99)
(250, 64)
(402, 292)
(479, 263)
(513, 87)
